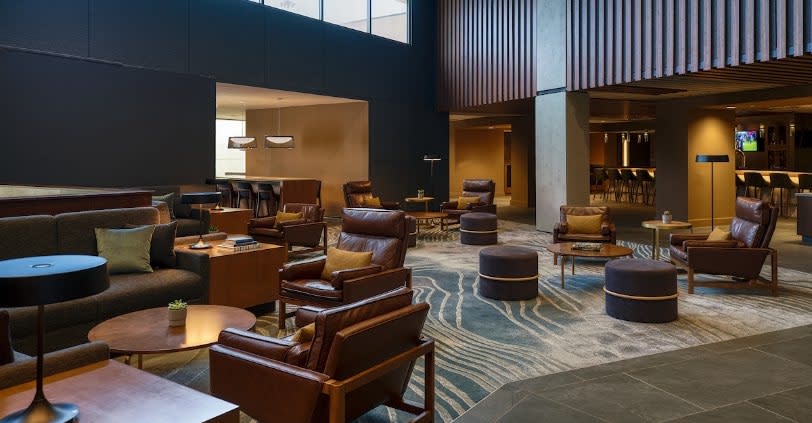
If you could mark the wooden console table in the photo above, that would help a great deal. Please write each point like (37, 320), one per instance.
(231, 220)
(109, 391)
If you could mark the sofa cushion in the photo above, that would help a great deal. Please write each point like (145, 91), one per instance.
(126, 250)
(169, 200)
(162, 247)
(138, 291)
(27, 236)
(57, 316)
(75, 231)
(187, 227)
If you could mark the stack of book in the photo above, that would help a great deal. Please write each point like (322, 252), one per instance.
(239, 243)
(587, 246)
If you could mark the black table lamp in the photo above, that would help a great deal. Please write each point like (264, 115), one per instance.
(709, 158)
(200, 199)
(36, 281)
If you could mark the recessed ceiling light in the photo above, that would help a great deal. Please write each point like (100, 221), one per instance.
(490, 127)
(730, 107)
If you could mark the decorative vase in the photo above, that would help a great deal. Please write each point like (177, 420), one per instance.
(420, 193)
(177, 317)
(667, 217)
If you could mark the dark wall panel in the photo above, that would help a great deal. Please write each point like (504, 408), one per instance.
(74, 122)
(227, 40)
(136, 32)
(299, 65)
(57, 26)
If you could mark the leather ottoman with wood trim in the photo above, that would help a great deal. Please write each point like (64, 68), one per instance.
(478, 229)
(508, 273)
(641, 290)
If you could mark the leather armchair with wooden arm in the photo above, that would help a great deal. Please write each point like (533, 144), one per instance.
(608, 232)
(741, 257)
(382, 232)
(485, 189)
(361, 356)
(309, 232)
(357, 193)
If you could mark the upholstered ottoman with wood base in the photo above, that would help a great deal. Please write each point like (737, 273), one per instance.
(641, 290)
(478, 229)
(508, 273)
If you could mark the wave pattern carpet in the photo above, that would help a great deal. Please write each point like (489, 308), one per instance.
(483, 344)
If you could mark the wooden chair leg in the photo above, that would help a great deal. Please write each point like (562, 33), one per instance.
(774, 273)
(428, 403)
(690, 280)
(281, 316)
(337, 410)
(555, 259)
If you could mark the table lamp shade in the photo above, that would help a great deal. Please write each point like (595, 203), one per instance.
(41, 280)
(712, 158)
(201, 198)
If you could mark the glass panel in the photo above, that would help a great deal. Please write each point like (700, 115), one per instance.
(228, 159)
(349, 13)
(309, 8)
(390, 19)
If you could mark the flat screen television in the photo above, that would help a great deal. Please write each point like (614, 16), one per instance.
(747, 141)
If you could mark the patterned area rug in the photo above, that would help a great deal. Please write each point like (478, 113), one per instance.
(483, 344)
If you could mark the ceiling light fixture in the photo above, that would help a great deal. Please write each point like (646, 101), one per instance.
(279, 141)
(242, 143)
(730, 107)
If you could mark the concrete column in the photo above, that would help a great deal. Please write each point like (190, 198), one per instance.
(562, 154)
(684, 186)
(562, 121)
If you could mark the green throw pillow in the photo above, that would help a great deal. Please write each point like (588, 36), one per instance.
(169, 199)
(126, 250)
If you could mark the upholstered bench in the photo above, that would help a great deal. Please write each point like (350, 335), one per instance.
(508, 273)
(641, 290)
(478, 229)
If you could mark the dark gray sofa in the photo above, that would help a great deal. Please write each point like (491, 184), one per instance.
(68, 323)
(186, 216)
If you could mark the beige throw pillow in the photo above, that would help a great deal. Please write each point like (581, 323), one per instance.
(286, 217)
(464, 202)
(343, 260)
(305, 334)
(373, 202)
(587, 225)
(719, 235)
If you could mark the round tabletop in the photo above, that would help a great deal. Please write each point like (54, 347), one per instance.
(148, 331)
(427, 215)
(658, 224)
(607, 250)
(423, 199)
(51, 279)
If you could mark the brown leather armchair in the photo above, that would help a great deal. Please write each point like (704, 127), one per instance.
(361, 356)
(381, 231)
(485, 189)
(309, 232)
(608, 229)
(741, 257)
(356, 193)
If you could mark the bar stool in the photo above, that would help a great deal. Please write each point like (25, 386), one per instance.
(600, 177)
(264, 195)
(782, 182)
(614, 180)
(629, 185)
(805, 182)
(757, 182)
(645, 181)
(741, 188)
(223, 186)
(243, 192)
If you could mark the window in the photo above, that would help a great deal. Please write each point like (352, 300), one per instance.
(390, 19)
(349, 13)
(309, 8)
(384, 18)
(228, 160)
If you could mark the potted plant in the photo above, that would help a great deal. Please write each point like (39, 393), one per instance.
(667, 217)
(177, 313)
(421, 192)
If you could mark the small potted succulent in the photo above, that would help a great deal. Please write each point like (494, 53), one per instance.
(667, 217)
(177, 313)
(421, 192)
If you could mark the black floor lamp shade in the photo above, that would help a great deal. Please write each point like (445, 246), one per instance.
(36, 281)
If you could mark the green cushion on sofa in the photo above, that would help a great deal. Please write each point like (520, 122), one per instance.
(126, 250)
(169, 199)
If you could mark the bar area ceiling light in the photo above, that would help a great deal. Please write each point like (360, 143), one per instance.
(278, 141)
(242, 143)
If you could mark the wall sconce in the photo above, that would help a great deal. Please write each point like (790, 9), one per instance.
(645, 136)
(605, 138)
(242, 143)
(792, 130)
(639, 138)
(761, 130)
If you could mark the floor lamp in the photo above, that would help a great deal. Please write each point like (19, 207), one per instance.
(36, 281)
(710, 158)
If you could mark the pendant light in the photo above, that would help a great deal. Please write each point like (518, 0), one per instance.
(279, 141)
(242, 143)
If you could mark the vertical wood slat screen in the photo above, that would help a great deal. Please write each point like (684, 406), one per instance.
(620, 41)
(486, 52)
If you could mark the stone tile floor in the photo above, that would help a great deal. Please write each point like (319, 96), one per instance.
(762, 378)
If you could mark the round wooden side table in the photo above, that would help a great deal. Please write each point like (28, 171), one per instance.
(656, 226)
(425, 200)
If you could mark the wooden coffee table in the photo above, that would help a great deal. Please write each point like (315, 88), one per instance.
(564, 250)
(109, 391)
(424, 199)
(656, 226)
(430, 217)
(148, 331)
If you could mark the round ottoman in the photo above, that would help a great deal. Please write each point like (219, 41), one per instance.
(508, 273)
(641, 290)
(478, 229)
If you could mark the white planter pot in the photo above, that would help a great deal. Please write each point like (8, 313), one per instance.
(667, 218)
(177, 317)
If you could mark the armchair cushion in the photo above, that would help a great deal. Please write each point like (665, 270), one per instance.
(254, 343)
(709, 244)
(678, 239)
(339, 276)
(374, 202)
(262, 222)
(464, 203)
(269, 232)
(284, 217)
(590, 224)
(311, 288)
(343, 260)
(306, 269)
